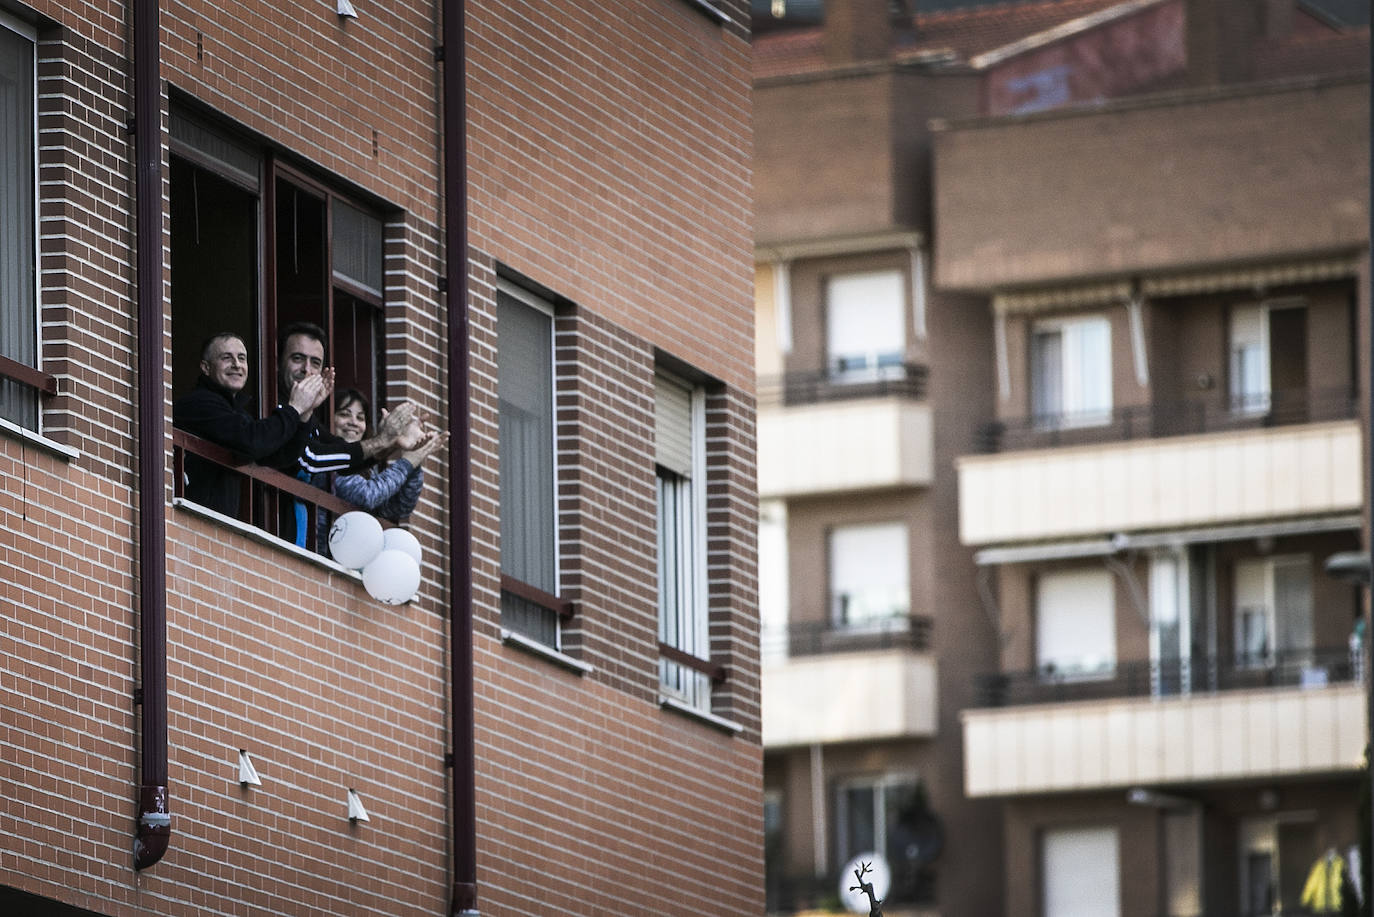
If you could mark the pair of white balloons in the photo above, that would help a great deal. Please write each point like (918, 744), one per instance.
(389, 559)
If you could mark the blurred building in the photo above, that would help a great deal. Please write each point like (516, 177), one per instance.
(1058, 429)
(200, 717)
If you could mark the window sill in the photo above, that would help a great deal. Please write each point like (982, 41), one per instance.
(547, 653)
(39, 440)
(262, 537)
(702, 716)
(709, 10)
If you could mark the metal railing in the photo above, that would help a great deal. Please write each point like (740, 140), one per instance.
(812, 638)
(790, 893)
(266, 496)
(1163, 419)
(1199, 675)
(792, 389)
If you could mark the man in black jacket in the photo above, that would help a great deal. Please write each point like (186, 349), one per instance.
(288, 439)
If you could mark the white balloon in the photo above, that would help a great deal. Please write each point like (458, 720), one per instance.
(399, 539)
(393, 577)
(354, 539)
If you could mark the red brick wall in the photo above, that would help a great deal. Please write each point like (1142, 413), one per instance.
(607, 166)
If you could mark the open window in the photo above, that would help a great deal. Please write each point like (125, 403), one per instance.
(1268, 359)
(1071, 372)
(255, 245)
(1273, 611)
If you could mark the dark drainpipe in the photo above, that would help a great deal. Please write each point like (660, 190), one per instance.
(461, 759)
(154, 820)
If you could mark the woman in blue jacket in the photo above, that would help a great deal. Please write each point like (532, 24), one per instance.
(391, 489)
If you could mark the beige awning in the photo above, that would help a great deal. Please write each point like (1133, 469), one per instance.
(1083, 296)
(1258, 277)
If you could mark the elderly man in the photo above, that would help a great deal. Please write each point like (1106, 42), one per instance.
(288, 439)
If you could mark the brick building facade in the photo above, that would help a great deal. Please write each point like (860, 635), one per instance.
(615, 765)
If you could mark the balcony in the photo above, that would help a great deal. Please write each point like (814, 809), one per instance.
(1181, 418)
(827, 433)
(849, 684)
(1294, 715)
(267, 498)
(1135, 473)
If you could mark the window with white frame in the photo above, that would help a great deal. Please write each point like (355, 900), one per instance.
(1259, 370)
(1075, 624)
(878, 815)
(1273, 609)
(869, 574)
(18, 252)
(864, 329)
(524, 358)
(679, 454)
(1080, 872)
(772, 557)
(1071, 372)
(1249, 360)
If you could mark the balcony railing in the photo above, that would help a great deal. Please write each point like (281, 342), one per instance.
(816, 386)
(1180, 418)
(266, 496)
(1307, 668)
(812, 638)
(789, 894)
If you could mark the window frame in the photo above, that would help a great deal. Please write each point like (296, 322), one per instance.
(881, 785)
(1079, 833)
(1268, 613)
(1049, 667)
(1244, 401)
(877, 363)
(513, 588)
(837, 609)
(1074, 409)
(682, 677)
(272, 166)
(26, 376)
(213, 146)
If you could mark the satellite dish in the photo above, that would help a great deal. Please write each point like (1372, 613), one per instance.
(879, 876)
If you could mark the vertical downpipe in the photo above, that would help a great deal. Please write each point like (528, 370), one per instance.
(154, 820)
(462, 758)
(1368, 649)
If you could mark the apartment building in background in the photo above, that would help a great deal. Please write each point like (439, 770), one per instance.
(202, 717)
(1059, 429)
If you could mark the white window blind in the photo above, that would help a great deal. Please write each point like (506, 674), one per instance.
(1075, 627)
(868, 573)
(524, 341)
(1081, 872)
(673, 426)
(864, 322)
(357, 250)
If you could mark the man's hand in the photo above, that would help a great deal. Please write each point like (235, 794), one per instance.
(311, 392)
